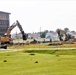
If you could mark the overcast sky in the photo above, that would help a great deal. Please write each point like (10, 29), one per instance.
(47, 14)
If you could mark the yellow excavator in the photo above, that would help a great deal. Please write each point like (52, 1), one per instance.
(6, 38)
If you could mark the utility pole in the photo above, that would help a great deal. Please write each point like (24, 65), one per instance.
(40, 30)
(40, 37)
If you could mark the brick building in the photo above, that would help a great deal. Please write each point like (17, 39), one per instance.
(4, 22)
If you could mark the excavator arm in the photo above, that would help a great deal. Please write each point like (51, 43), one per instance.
(24, 36)
(10, 29)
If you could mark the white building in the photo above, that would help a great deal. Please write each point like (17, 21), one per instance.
(73, 33)
(52, 35)
(19, 35)
(33, 35)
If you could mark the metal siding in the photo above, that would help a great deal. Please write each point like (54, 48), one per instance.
(4, 24)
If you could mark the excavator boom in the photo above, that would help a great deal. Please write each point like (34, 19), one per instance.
(10, 29)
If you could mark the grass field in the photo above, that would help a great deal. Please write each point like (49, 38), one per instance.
(43, 46)
(38, 62)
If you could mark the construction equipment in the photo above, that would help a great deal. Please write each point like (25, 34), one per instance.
(64, 36)
(61, 34)
(6, 38)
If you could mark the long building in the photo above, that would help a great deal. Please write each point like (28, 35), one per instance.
(4, 22)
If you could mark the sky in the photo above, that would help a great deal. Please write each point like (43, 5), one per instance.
(40, 15)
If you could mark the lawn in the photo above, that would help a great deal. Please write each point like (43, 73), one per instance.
(31, 62)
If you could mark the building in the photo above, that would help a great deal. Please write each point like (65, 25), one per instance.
(4, 22)
(73, 33)
(33, 35)
(52, 35)
(19, 35)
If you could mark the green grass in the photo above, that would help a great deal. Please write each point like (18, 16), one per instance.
(48, 62)
(55, 52)
(42, 46)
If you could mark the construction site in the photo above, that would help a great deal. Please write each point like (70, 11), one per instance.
(64, 36)
(37, 37)
(30, 55)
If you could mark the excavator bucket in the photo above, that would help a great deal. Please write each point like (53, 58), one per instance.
(24, 36)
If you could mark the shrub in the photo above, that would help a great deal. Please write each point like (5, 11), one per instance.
(32, 54)
(4, 60)
(36, 61)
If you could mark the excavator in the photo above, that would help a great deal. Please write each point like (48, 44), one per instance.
(6, 38)
(63, 36)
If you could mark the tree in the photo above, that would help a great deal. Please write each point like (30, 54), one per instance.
(66, 30)
(43, 34)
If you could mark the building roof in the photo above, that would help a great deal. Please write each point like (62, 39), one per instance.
(52, 32)
(73, 32)
(34, 35)
(5, 12)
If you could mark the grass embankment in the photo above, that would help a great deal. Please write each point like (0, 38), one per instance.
(38, 62)
(42, 46)
(54, 52)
